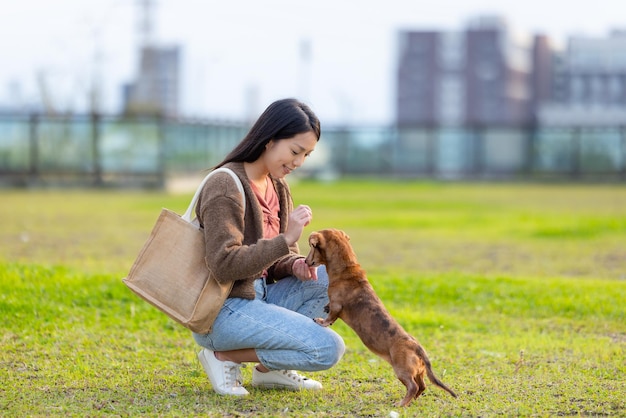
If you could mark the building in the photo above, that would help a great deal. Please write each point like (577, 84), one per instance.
(156, 88)
(481, 75)
(544, 64)
(588, 83)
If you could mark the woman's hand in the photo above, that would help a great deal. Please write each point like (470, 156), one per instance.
(302, 271)
(298, 219)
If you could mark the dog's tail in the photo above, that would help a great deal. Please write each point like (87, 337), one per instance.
(429, 371)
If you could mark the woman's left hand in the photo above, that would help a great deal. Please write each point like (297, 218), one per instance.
(302, 271)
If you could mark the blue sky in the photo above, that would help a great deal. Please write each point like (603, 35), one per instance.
(239, 55)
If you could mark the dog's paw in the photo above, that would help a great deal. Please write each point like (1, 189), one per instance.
(321, 321)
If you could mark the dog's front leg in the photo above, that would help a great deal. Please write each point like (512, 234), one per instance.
(333, 309)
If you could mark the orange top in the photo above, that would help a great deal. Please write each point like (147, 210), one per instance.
(270, 205)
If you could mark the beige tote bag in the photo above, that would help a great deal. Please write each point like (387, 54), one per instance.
(170, 271)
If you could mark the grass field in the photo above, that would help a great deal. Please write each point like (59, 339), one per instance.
(517, 292)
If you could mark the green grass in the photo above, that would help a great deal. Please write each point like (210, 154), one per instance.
(516, 291)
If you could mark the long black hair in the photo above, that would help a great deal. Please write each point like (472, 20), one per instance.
(282, 119)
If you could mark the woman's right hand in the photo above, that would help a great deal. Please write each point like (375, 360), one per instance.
(298, 219)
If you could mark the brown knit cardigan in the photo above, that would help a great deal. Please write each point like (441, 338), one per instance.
(235, 248)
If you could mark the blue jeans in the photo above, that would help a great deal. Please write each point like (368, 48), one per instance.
(278, 325)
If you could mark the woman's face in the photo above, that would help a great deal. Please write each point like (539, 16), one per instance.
(283, 156)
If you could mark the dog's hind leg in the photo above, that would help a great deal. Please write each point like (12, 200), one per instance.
(406, 365)
(419, 379)
(405, 372)
(411, 387)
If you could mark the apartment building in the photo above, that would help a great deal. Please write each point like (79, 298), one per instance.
(156, 86)
(588, 83)
(481, 75)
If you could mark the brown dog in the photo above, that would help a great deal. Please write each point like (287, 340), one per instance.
(352, 298)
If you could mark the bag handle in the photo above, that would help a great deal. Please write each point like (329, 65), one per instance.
(192, 205)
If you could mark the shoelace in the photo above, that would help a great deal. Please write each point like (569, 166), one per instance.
(292, 374)
(233, 374)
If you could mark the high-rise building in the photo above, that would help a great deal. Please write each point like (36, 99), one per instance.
(588, 83)
(474, 77)
(156, 88)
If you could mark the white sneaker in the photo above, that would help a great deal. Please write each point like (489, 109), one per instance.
(283, 379)
(225, 376)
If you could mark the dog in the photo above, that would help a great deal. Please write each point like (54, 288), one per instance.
(352, 298)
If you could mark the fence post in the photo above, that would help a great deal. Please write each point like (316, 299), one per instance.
(95, 149)
(623, 167)
(532, 132)
(576, 153)
(341, 152)
(161, 152)
(33, 131)
(478, 142)
(432, 144)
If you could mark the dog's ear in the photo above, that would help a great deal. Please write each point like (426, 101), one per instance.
(314, 239)
(346, 236)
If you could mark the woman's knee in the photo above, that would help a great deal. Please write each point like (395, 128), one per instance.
(331, 351)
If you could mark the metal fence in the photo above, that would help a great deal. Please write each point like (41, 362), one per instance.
(112, 151)
(108, 151)
(569, 153)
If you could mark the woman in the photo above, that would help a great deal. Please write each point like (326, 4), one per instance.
(267, 316)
